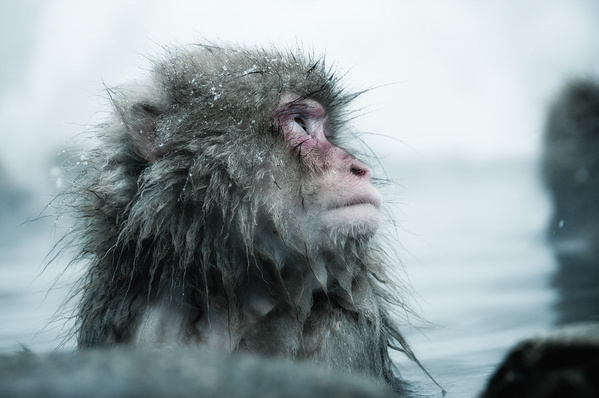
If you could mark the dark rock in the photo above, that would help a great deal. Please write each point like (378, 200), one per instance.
(564, 364)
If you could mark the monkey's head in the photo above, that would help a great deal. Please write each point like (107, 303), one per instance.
(226, 157)
(227, 132)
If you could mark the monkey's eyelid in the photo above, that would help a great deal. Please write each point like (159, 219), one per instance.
(299, 107)
(301, 122)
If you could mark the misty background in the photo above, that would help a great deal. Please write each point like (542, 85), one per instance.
(454, 78)
(460, 91)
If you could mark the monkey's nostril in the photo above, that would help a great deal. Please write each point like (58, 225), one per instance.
(359, 171)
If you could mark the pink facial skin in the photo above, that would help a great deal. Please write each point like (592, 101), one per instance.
(344, 194)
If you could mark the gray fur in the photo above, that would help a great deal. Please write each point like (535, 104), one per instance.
(178, 373)
(188, 203)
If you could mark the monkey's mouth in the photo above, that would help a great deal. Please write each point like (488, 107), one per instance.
(359, 213)
(356, 201)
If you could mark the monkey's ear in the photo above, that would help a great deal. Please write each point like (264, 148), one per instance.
(142, 132)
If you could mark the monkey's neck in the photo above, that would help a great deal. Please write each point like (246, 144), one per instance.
(263, 308)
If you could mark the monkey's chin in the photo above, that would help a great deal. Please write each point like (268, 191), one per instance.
(361, 220)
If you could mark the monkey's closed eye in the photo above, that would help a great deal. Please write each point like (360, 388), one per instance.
(301, 123)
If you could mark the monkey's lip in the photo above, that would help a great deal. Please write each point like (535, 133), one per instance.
(357, 201)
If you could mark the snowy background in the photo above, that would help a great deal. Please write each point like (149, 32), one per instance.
(461, 92)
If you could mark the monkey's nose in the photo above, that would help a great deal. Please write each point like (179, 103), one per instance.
(359, 169)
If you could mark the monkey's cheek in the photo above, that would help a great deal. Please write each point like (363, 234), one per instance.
(363, 219)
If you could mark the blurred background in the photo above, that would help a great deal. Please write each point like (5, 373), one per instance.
(456, 115)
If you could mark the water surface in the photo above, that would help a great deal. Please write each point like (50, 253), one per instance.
(472, 247)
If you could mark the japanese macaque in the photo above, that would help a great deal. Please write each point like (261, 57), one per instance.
(570, 168)
(220, 210)
(571, 161)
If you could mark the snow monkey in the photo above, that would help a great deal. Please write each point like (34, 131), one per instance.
(220, 210)
(570, 167)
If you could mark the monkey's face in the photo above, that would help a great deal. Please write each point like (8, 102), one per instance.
(338, 194)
